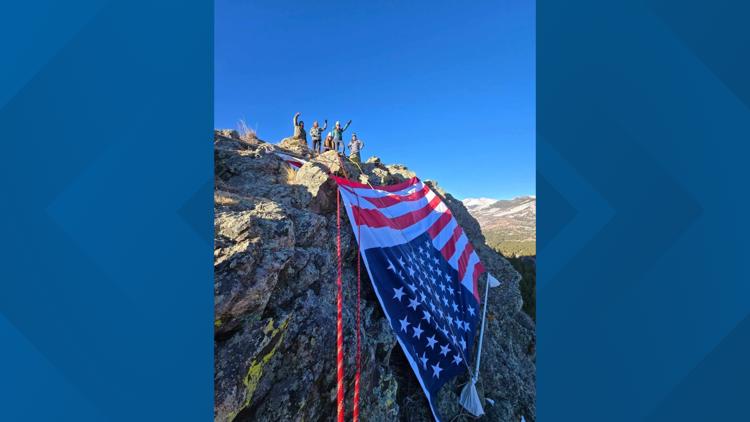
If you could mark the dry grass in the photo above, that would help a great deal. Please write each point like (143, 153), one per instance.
(224, 198)
(290, 173)
(246, 133)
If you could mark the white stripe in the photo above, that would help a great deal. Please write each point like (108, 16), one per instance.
(460, 244)
(378, 193)
(384, 237)
(394, 210)
(468, 280)
(290, 158)
(442, 238)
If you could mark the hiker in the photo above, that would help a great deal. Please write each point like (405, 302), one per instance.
(315, 132)
(328, 144)
(355, 145)
(337, 138)
(299, 128)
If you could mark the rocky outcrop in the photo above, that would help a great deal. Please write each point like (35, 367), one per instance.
(296, 146)
(275, 271)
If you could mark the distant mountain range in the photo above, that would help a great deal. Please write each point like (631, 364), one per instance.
(508, 224)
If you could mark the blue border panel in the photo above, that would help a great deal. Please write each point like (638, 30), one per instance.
(106, 297)
(643, 129)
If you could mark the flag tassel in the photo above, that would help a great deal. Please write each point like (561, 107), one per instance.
(469, 397)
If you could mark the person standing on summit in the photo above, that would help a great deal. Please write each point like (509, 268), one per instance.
(299, 128)
(338, 131)
(355, 145)
(315, 132)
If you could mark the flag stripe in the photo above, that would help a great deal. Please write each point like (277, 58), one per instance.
(460, 245)
(468, 279)
(387, 188)
(441, 222)
(450, 247)
(478, 270)
(463, 260)
(387, 236)
(394, 210)
(445, 234)
(393, 199)
(376, 219)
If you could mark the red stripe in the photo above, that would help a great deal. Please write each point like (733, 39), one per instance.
(478, 270)
(294, 163)
(388, 188)
(440, 224)
(450, 247)
(463, 260)
(376, 219)
(388, 200)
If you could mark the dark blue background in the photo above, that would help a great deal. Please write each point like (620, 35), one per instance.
(643, 288)
(106, 284)
(106, 291)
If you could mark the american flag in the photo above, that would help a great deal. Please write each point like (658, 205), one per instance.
(424, 272)
(294, 162)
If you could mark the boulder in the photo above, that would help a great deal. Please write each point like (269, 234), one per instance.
(295, 146)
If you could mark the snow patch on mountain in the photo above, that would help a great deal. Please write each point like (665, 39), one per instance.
(505, 219)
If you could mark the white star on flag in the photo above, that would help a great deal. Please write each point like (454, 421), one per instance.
(418, 331)
(404, 323)
(413, 303)
(398, 293)
(436, 370)
(431, 342)
(457, 359)
(444, 350)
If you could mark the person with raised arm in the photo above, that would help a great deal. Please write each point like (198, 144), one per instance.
(299, 128)
(315, 132)
(338, 139)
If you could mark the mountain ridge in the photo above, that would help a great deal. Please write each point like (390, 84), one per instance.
(509, 225)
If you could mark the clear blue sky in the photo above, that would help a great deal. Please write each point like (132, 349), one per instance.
(446, 88)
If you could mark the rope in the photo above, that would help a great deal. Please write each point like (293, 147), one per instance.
(339, 319)
(357, 376)
(359, 344)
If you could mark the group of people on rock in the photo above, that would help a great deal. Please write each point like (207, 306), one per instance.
(334, 140)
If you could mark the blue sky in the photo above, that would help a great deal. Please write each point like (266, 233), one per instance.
(446, 88)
